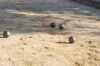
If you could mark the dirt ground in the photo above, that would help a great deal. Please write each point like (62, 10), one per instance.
(32, 44)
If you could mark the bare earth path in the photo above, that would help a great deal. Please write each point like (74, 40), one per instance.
(32, 45)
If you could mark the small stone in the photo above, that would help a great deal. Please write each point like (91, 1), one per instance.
(21, 38)
(9, 59)
(90, 42)
(24, 43)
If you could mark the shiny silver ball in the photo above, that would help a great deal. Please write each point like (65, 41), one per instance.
(72, 39)
(6, 34)
(53, 25)
(61, 26)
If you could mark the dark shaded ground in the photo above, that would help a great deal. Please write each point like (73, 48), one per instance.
(21, 23)
(93, 3)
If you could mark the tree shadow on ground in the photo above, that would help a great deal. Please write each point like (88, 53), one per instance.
(27, 16)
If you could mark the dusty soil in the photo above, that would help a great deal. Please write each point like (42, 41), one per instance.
(32, 44)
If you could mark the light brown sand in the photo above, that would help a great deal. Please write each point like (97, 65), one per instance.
(31, 44)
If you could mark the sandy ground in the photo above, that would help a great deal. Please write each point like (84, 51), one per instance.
(32, 44)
